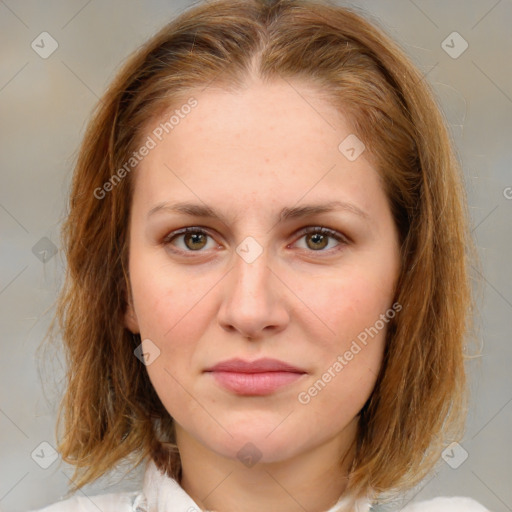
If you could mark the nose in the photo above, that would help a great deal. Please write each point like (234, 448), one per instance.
(254, 300)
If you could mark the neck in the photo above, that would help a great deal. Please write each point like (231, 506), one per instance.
(312, 481)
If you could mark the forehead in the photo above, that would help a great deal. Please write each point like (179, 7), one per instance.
(277, 141)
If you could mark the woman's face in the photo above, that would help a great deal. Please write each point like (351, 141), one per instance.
(248, 283)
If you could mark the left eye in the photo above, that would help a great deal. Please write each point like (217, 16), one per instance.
(318, 238)
(195, 239)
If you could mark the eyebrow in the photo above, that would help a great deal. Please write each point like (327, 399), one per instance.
(287, 213)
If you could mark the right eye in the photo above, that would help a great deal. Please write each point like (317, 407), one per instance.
(193, 239)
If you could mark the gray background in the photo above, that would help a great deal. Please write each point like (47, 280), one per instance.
(44, 105)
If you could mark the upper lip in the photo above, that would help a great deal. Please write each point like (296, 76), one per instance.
(265, 364)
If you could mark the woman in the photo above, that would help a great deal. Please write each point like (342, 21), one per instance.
(267, 292)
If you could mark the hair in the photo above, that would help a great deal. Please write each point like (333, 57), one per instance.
(110, 411)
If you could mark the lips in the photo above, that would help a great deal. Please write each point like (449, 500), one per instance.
(259, 366)
(254, 378)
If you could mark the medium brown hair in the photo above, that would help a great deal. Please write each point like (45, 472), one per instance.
(110, 411)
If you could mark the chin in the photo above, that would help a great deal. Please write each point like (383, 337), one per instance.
(255, 443)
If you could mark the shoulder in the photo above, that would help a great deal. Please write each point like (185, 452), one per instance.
(443, 504)
(114, 502)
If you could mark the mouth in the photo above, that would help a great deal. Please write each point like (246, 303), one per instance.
(256, 378)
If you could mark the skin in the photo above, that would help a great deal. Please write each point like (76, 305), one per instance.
(303, 300)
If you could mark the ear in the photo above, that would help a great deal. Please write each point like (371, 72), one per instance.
(130, 319)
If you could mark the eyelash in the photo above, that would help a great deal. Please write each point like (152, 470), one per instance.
(343, 240)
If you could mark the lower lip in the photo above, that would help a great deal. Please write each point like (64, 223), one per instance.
(255, 384)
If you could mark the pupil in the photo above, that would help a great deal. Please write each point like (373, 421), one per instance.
(318, 238)
(195, 237)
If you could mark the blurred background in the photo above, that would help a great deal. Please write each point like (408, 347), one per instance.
(56, 60)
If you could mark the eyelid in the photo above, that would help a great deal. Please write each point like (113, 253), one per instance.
(340, 237)
(323, 230)
(184, 231)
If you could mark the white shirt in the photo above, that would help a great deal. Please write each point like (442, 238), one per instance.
(163, 494)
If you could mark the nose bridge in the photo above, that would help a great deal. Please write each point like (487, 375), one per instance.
(251, 273)
(251, 302)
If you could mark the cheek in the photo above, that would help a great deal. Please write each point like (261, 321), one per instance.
(350, 304)
(174, 311)
(171, 314)
(350, 360)
(357, 307)
(165, 299)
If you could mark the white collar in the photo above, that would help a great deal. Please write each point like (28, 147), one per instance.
(161, 493)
